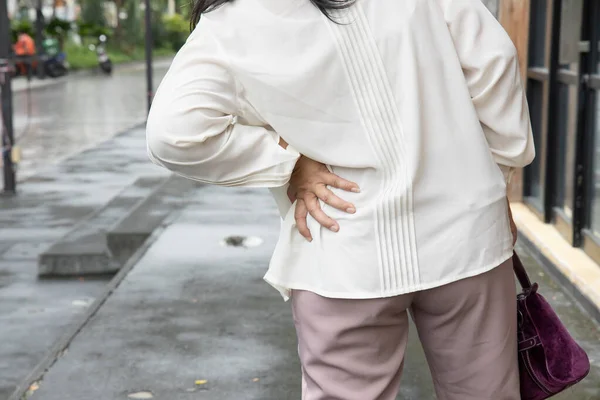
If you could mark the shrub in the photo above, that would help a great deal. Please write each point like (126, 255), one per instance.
(91, 30)
(177, 30)
(21, 26)
(159, 33)
(58, 28)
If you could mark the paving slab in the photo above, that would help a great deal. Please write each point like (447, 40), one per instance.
(84, 249)
(33, 315)
(34, 312)
(193, 309)
(132, 230)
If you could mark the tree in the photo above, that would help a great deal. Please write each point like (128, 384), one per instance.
(132, 26)
(93, 12)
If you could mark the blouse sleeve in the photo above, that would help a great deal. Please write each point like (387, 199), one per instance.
(491, 68)
(193, 126)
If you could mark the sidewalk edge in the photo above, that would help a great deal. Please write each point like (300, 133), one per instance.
(92, 71)
(57, 350)
(36, 171)
(566, 266)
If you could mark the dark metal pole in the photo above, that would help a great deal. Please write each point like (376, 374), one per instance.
(552, 145)
(149, 86)
(6, 127)
(39, 40)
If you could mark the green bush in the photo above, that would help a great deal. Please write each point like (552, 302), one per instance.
(177, 30)
(21, 26)
(92, 30)
(58, 28)
(81, 57)
(159, 33)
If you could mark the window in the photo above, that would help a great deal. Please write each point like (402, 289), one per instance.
(537, 95)
(592, 85)
(534, 177)
(566, 129)
(595, 220)
(563, 90)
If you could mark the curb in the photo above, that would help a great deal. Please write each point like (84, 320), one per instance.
(136, 125)
(61, 345)
(581, 299)
(39, 85)
(50, 82)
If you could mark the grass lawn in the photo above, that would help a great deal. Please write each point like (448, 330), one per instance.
(81, 57)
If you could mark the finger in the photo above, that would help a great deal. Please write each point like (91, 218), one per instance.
(300, 216)
(314, 209)
(341, 183)
(328, 197)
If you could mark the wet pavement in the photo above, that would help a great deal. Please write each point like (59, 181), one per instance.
(194, 310)
(34, 312)
(59, 118)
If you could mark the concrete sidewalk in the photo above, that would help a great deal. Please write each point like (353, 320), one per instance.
(35, 312)
(193, 319)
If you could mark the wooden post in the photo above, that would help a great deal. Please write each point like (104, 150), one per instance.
(514, 17)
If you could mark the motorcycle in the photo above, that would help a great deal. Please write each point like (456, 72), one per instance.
(53, 60)
(104, 61)
(55, 63)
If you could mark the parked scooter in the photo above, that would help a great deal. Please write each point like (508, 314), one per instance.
(104, 61)
(53, 60)
(55, 64)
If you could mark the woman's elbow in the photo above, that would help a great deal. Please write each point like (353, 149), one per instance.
(165, 145)
(526, 154)
(529, 155)
(179, 144)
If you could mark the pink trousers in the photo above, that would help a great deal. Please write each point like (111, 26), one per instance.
(354, 349)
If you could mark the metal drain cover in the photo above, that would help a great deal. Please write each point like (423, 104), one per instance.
(141, 395)
(241, 241)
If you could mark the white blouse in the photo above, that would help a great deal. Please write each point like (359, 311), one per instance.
(419, 102)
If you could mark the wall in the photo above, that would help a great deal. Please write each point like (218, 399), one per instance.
(514, 16)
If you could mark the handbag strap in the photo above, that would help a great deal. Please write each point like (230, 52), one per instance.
(520, 272)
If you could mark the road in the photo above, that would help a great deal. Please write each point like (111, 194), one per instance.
(58, 120)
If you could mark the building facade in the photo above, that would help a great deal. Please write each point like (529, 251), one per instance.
(559, 46)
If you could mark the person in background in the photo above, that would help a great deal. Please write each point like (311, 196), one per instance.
(24, 47)
(387, 132)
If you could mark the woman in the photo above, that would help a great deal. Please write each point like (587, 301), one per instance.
(404, 119)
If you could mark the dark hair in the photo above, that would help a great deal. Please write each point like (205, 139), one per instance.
(204, 6)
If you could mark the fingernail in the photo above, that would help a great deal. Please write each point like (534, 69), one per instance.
(351, 210)
(334, 228)
(309, 239)
(355, 190)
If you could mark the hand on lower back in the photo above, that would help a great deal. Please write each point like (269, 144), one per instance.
(309, 184)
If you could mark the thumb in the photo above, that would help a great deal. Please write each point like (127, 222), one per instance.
(291, 193)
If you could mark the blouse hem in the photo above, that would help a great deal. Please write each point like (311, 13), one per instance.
(285, 289)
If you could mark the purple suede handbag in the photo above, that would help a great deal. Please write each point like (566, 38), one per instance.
(549, 359)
